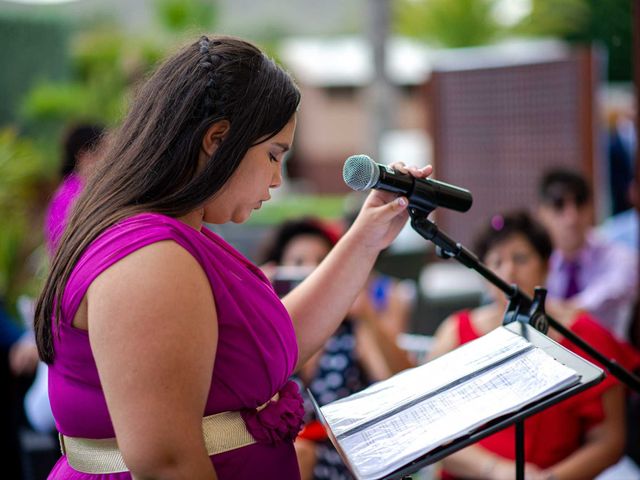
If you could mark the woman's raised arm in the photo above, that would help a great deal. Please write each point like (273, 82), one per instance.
(321, 302)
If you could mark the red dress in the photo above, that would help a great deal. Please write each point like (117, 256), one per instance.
(555, 433)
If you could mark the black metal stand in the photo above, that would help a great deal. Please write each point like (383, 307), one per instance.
(520, 450)
(521, 308)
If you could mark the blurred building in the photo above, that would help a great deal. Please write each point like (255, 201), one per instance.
(503, 116)
(489, 118)
(335, 118)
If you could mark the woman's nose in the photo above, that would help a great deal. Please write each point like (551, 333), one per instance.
(276, 180)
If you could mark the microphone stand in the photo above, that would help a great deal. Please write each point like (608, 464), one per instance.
(521, 308)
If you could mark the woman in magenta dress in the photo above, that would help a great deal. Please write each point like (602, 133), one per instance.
(577, 438)
(169, 352)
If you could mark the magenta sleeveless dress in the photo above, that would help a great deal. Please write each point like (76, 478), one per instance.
(256, 352)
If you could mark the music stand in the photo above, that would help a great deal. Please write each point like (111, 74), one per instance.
(589, 376)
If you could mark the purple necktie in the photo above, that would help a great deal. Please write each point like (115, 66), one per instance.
(573, 268)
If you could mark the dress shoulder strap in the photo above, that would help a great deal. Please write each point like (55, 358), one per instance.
(466, 331)
(117, 242)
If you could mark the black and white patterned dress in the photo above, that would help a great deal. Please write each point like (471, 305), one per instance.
(338, 375)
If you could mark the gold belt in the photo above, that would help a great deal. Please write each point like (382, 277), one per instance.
(222, 432)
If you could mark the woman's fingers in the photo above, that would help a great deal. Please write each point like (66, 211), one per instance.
(418, 172)
(423, 172)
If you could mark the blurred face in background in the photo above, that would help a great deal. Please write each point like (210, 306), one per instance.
(567, 223)
(305, 250)
(301, 255)
(515, 260)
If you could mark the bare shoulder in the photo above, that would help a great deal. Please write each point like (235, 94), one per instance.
(447, 326)
(445, 337)
(157, 280)
(485, 318)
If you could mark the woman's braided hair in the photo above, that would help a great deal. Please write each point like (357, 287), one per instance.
(207, 64)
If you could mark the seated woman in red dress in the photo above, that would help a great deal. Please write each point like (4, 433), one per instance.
(575, 439)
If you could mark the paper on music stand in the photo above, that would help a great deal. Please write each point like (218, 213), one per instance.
(393, 422)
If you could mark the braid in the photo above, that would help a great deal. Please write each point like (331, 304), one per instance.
(216, 97)
(206, 63)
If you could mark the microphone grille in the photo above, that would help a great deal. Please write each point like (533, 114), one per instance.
(360, 172)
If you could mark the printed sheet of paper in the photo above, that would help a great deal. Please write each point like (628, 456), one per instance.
(498, 345)
(391, 423)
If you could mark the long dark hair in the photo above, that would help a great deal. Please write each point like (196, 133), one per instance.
(151, 162)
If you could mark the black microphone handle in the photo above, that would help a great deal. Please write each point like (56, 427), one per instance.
(395, 182)
(424, 193)
(443, 195)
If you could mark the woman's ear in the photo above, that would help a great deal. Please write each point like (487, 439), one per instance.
(214, 136)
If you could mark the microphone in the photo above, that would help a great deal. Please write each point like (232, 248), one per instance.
(362, 173)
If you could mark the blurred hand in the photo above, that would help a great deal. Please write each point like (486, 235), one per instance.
(23, 357)
(384, 214)
(538, 475)
(306, 453)
(506, 470)
(362, 308)
(559, 307)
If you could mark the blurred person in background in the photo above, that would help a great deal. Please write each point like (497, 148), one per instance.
(18, 343)
(80, 148)
(363, 349)
(576, 438)
(17, 365)
(80, 151)
(623, 227)
(622, 144)
(585, 269)
(623, 223)
(169, 352)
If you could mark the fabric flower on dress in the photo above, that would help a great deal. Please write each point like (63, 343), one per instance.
(280, 421)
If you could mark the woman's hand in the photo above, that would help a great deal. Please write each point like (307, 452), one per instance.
(384, 213)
